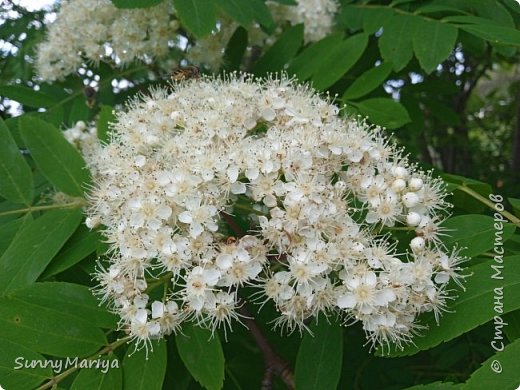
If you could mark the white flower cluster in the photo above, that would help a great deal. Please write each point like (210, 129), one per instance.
(94, 30)
(317, 16)
(319, 192)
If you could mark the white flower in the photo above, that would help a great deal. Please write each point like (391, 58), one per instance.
(386, 209)
(364, 295)
(198, 216)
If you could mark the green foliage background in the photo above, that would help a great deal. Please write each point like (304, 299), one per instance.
(446, 83)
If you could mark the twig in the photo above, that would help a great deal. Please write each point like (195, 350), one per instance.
(512, 218)
(32, 209)
(274, 364)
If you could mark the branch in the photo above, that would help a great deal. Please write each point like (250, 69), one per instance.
(274, 364)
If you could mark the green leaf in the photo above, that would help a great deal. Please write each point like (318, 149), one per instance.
(350, 18)
(433, 8)
(105, 375)
(341, 58)
(198, 16)
(476, 232)
(79, 111)
(495, 34)
(472, 44)
(73, 299)
(81, 244)
(516, 205)
(27, 96)
(284, 49)
(12, 371)
(142, 371)
(58, 161)
(368, 81)
(47, 330)
(263, 15)
(487, 29)
(34, 246)
(16, 181)
(375, 18)
(55, 115)
(512, 330)
(384, 112)
(433, 42)
(9, 230)
(308, 61)
(201, 353)
(443, 112)
(499, 372)
(235, 49)
(239, 10)
(319, 359)
(492, 9)
(105, 118)
(396, 42)
(135, 3)
(12, 125)
(468, 19)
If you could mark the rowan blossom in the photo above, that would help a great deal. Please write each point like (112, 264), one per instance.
(86, 32)
(95, 30)
(321, 193)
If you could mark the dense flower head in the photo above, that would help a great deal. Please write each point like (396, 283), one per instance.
(94, 30)
(321, 193)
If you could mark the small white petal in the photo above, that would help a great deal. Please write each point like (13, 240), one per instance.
(211, 276)
(141, 316)
(224, 261)
(347, 301)
(238, 188)
(157, 309)
(185, 217)
(140, 161)
(268, 114)
(232, 173)
(196, 230)
(164, 212)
